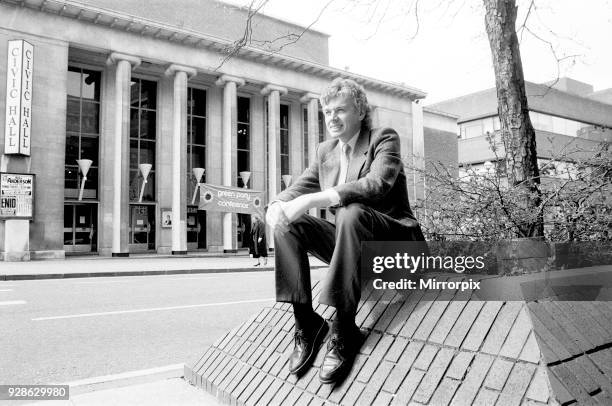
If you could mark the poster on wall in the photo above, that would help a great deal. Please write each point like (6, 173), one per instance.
(166, 215)
(16, 196)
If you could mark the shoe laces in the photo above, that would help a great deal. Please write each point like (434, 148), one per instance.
(299, 336)
(335, 342)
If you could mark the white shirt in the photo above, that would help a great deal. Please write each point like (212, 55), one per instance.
(333, 194)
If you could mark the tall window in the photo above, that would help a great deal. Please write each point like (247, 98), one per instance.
(305, 137)
(243, 138)
(142, 151)
(284, 141)
(196, 158)
(142, 137)
(243, 163)
(196, 135)
(321, 126)
(82, 142)
(323, 213)
(82, 131)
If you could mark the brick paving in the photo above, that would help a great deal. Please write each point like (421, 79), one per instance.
(424, 352)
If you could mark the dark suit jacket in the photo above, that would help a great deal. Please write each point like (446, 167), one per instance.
(375, 175)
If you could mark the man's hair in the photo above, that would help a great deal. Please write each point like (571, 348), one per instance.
(352, 89)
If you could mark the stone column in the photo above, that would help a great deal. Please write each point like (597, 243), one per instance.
(273, 94)
(229, 128)
(179, 150)
(121, 132)
(312, 102)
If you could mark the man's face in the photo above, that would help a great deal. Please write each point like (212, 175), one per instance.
(342, 118)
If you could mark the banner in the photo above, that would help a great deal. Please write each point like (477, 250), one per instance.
(16, 196)
(230, 199)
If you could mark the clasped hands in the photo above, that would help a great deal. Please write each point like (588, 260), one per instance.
(281, 214)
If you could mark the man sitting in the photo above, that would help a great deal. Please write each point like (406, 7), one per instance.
(358, 171)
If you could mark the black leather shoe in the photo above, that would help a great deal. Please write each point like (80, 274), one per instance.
(341, 352)
(307, 344)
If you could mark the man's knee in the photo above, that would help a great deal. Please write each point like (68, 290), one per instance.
(295, 227)
(352, 214)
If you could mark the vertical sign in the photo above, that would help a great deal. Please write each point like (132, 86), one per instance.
(18, 97)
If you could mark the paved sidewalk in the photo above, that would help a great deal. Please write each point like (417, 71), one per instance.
(91, 266)
(167, 392)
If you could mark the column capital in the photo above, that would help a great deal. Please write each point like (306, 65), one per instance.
(223, 79)
(174, 68)
(308, 97)
(115, 57)
(269, 88)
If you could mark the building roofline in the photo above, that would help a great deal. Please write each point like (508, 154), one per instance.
(429, 109)
(527, 83)
(532, 92)
(458, 98)
(150, 28)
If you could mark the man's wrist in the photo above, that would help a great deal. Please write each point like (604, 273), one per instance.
(326, 198)
(332, 197)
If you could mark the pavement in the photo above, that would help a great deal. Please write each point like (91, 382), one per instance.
(171, 391)
(146, 387)
(151, 264)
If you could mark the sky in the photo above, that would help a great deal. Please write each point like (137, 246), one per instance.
(449, 55)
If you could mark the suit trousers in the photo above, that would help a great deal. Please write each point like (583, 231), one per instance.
(337, 244)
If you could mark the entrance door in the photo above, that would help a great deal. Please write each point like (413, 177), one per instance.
(196, 228)
(244, 230)
(142, 228)
(80, 227)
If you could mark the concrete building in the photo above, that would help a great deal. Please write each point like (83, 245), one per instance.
(159, 87)
(569, 118)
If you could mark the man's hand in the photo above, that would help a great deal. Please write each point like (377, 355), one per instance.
(276, 218)
(296, 207)
(281, 214)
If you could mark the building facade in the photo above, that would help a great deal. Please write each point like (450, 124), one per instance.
(144, 94)
(570, 120)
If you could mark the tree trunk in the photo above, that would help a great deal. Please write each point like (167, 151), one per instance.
(516, 128)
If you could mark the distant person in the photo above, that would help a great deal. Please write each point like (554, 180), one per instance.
(259, 246)
(360, 173)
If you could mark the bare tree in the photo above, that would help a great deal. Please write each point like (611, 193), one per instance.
(518, 133)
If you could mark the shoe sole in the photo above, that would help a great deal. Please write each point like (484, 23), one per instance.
(319, 339)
